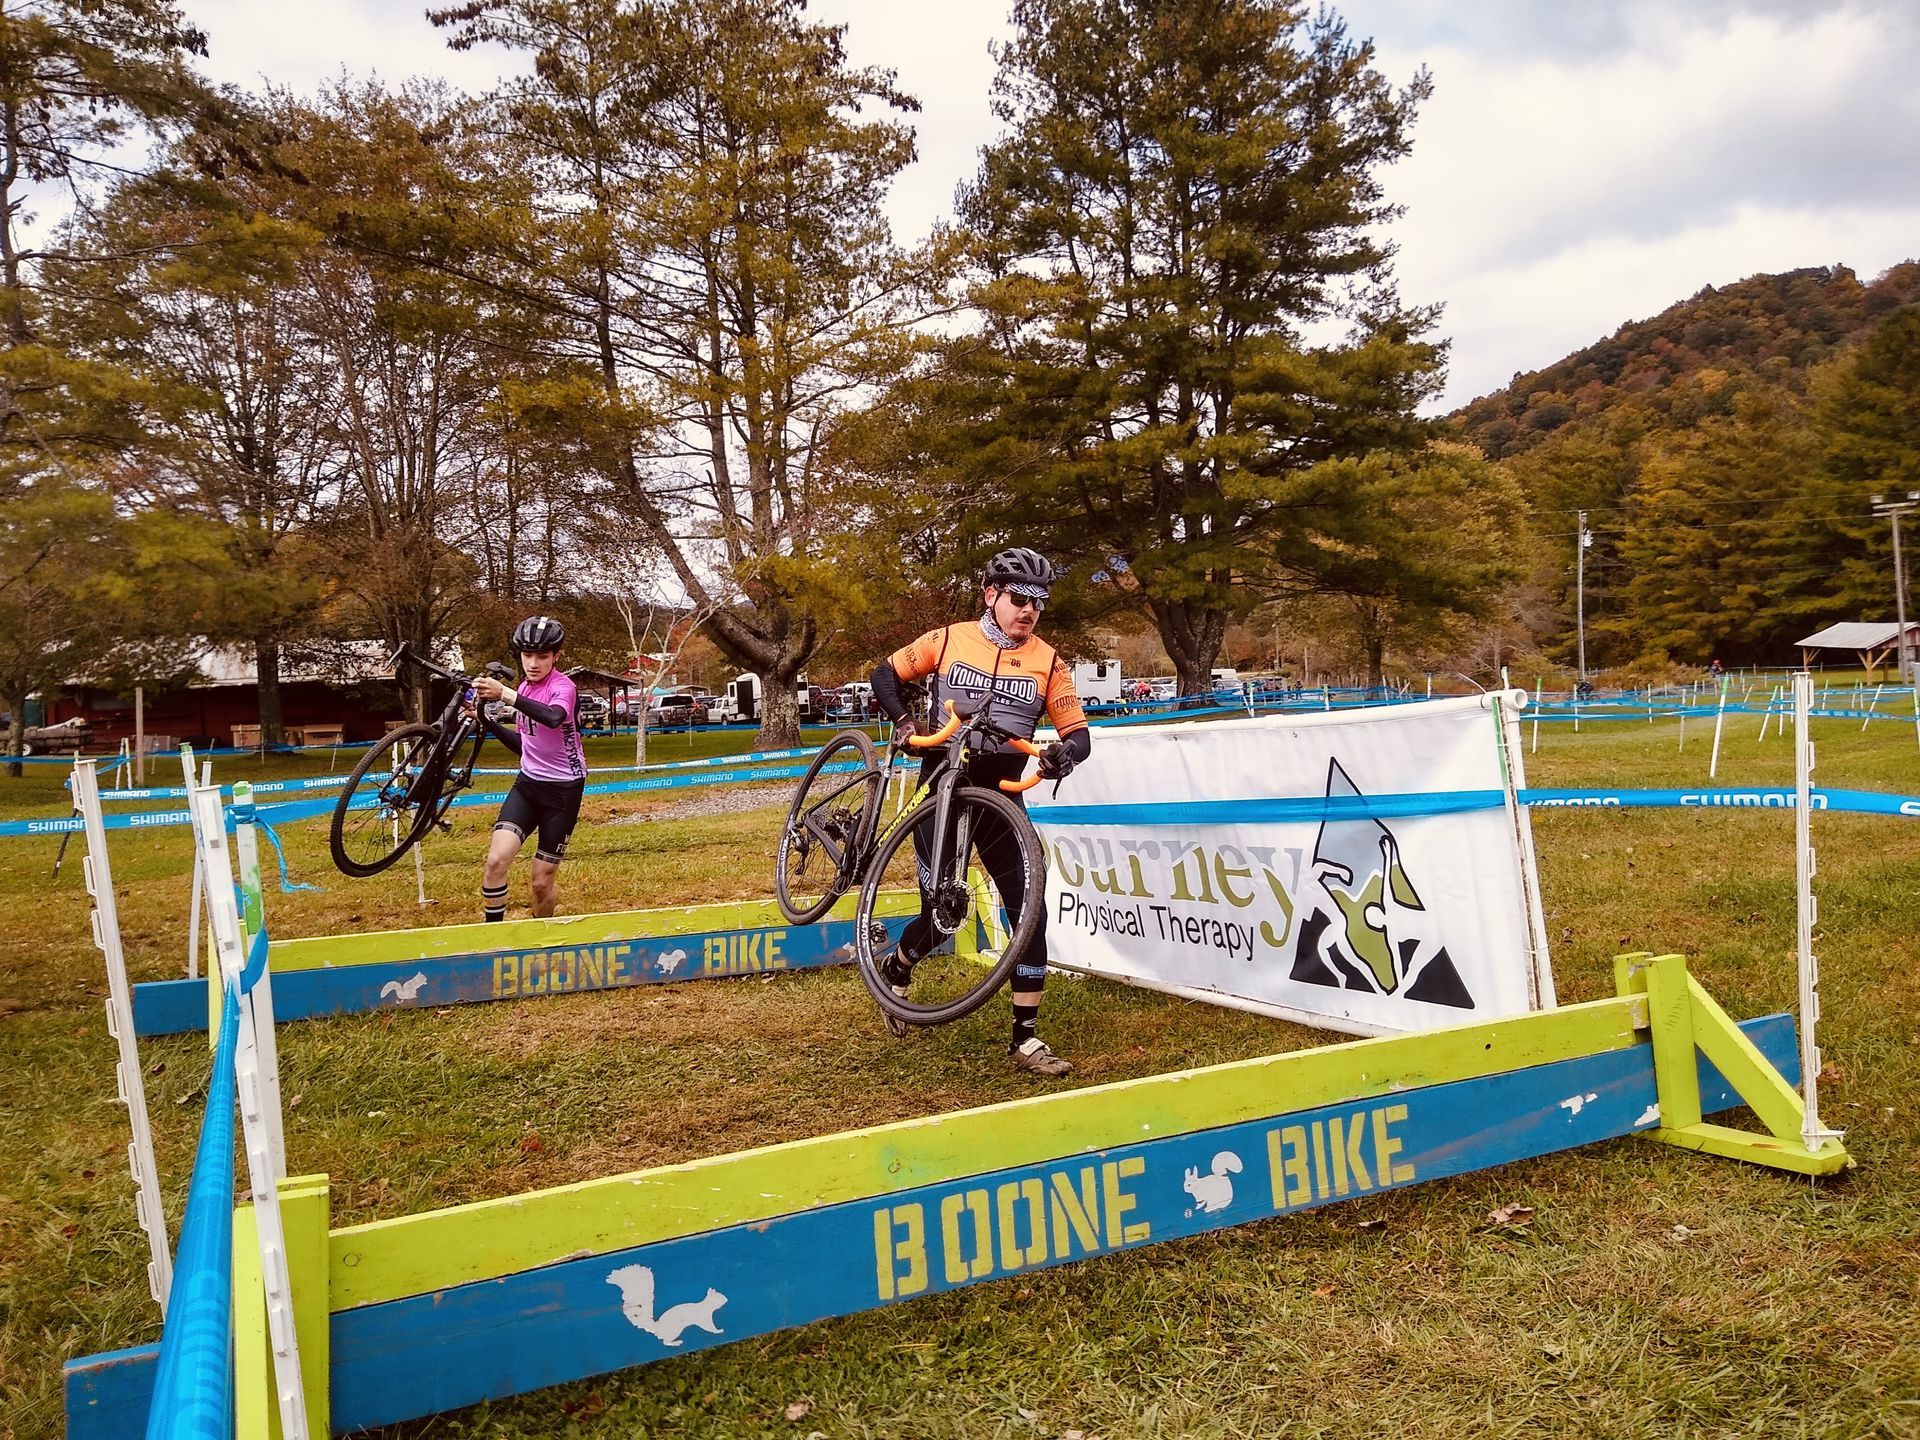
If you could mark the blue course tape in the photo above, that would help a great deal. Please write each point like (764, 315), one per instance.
(288, 885)
(193, 1392)
(260, 787)
(1193, 812)
(1861, 802)
(1387, 807)
(1276, 809)
(107, 763)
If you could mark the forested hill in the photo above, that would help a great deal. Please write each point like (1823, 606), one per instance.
(1766, 331)
(1725, 454)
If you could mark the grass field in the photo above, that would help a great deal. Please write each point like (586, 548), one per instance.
(1653, 1292)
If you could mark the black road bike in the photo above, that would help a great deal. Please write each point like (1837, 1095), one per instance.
(833, 840)
(405, 784)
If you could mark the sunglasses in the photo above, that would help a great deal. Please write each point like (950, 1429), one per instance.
(1023, 602)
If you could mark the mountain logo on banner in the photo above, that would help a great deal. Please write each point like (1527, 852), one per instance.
(1368, 930)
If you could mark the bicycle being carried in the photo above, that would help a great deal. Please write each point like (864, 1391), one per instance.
(405, 784)
(833, 840)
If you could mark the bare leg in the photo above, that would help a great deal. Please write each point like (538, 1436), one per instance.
(546, 887)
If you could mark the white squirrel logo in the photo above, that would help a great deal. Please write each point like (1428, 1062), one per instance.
(404, 991)
(1212, 1193)
(671, 961)
(635, 1283)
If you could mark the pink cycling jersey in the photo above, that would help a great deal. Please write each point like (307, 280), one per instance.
(549, 752)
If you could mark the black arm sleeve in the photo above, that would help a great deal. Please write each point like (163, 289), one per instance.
(1079, 744)
(886, 691)
(508, 738)
(551, 716)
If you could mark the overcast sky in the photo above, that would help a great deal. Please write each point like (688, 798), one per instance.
(1580, 165)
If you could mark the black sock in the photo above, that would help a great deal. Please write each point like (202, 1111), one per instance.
(493, 902)
(1026, 1020)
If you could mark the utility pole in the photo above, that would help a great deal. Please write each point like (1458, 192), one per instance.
(1580, 588)
(1893, 510)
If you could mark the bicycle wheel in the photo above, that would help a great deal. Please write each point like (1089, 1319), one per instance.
(829, 826)
(977, 946)
(388, 801)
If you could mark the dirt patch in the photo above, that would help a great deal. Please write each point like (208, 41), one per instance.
(714, 800)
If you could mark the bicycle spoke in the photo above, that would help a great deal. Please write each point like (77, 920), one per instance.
(827, 827)
(973, 948)
(379, 812)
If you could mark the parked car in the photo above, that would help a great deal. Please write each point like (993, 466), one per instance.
(595, 712)
(676, 711)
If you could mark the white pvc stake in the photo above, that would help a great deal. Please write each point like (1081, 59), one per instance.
(420, 876)
(1719, 720)
(1513, 779)
(210, 834)
(253, 919)
(1539, 688)
(193, 912)
(1768, 717)
(1872, 705)
(1806, 912)
(129, 1079)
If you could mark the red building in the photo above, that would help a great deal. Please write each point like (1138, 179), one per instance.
(336, 697)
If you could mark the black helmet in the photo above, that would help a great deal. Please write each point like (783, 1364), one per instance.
(538, 632)
(1021, 570)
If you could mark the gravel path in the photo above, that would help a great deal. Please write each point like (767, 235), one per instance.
(715, 800)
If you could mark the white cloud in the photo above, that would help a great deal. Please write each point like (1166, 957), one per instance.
(1500, 327)
(1554, 194)
(1580, 165)
(309, 43)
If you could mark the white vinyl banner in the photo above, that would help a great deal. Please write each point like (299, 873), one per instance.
(1368, 871)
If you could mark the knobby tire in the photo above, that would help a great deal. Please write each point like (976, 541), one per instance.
(419, 743)
(970, 806)
(831, 812)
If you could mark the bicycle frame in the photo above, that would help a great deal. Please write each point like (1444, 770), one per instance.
(455, 727)
(958, 737)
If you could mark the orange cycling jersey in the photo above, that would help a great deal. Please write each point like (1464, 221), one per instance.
(1025, 682)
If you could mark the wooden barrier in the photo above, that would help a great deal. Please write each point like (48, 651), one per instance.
(431, 1312)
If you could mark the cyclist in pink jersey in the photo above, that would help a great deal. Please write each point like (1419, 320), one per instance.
(545, 799)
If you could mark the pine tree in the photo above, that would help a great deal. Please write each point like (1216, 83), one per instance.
(1186, 189)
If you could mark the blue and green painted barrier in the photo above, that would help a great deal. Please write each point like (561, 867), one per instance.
(435, 1311)
(523, 959)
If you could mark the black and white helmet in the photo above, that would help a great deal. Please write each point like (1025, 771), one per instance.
(1023, 571)
(538, 633)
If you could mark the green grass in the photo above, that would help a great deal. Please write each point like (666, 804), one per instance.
(1655, 1292)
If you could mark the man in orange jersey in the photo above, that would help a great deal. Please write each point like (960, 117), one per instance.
(999, 657)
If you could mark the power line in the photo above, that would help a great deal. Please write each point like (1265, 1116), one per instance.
(1747, 524)
(1848, 495)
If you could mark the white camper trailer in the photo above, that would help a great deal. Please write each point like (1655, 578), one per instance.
(1098, 682)
(740, 701)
